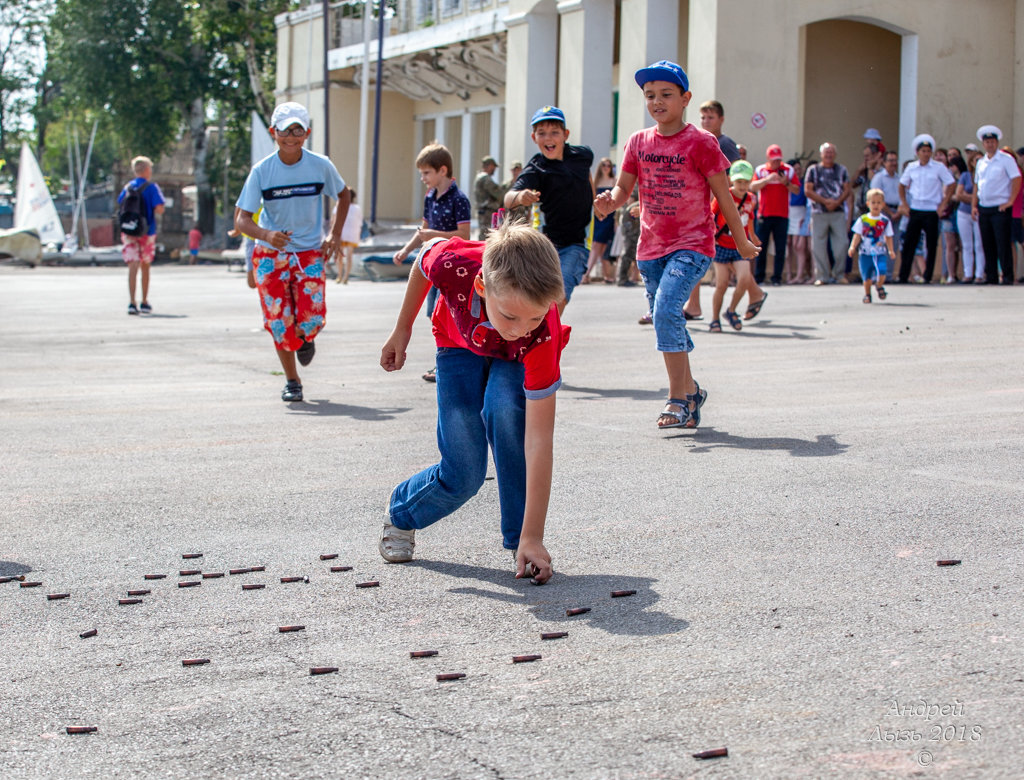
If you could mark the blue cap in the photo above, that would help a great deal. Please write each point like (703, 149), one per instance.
(548, 114)
(663, 70)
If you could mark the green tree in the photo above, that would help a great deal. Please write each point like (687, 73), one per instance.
(22, 25)
(157, 68)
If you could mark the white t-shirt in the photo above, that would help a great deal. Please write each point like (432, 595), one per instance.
(994, 177)
(925, 184)
(352, 230)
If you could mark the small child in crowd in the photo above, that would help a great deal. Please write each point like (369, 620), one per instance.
(350, 235)
(872, 238)
(559, 178)
(726, 256)
(446, 211)
(291, 252)
(499, 341)
(678, 168)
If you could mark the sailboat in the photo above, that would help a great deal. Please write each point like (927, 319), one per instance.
(35, 218)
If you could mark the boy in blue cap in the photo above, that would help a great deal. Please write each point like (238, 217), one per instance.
(559, 178)
(678, 167)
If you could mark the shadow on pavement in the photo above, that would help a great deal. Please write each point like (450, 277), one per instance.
(13, 569)
(611, 392)
(762, 323)
(325, 408)
(164, 317)
(706, 439)
(629, 615)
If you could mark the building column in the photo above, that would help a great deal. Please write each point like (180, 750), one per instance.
(648, 32)
(495, 140)
(532, 62)
(586, 44)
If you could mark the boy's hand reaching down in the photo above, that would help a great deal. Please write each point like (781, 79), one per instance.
(533, 553)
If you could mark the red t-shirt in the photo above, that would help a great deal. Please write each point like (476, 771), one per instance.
(460, 318)
(672, 173)
(746, 211)
(773, 199)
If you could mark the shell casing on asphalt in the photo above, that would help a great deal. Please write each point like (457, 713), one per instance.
(212, 575)
(289, 629)
(154, 576)
(369, 584)
(89, 633)
(295, 579)
(57, 596)
(714, 753)
(188, 556)
(341, 568)
(524, 659)
(313, 670)
(259, 586)
(554, 635)
(129, 601)
(139, 592)
(81, 729)
(949, 562)
(195, 661)
(189, 572)
(422, 653)
(618, 594)
(577, 611)
(450, 676)
(328, 556)
(239, 571)
(32, 584)
(190, 584)
(257, 568)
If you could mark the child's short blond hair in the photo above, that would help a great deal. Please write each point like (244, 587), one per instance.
(873, 192)
(435, 155)
(140, 164)
(519, 259)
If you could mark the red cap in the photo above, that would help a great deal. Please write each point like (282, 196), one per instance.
(774, 152)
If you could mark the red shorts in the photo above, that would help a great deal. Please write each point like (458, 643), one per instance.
(138, 249)
(291, 287)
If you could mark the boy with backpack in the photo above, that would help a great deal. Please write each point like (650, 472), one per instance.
(138, 204)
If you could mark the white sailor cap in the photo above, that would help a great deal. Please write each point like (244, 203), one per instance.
(992, 130)
(922, 139)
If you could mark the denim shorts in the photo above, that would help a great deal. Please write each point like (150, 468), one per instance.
(573, 259)
(669, 280)
(873, 266)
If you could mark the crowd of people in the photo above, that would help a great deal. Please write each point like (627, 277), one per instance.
(683, 201)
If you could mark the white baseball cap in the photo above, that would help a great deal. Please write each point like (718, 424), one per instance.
(288, 114)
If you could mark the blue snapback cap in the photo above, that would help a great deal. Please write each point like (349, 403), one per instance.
(663, 70)
(548, 114)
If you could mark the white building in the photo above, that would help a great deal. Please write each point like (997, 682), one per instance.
(794, 72)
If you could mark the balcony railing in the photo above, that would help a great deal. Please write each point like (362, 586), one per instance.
(400, 16)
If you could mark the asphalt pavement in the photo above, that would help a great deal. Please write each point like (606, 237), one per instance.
(788, 606)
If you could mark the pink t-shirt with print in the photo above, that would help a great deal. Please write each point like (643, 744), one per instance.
(675, 199)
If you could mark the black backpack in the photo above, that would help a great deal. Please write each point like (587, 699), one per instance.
(131, 215)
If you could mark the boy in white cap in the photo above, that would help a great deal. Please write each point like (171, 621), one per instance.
(997, 182)
(291, 252)
(930, 186)
(678, 167)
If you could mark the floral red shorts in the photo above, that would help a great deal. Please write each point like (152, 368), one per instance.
(138, 249)
(291, 287)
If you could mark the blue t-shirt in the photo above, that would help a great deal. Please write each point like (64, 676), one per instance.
(290, 197)
(798, 198)
(447, 212)
(967, 181)
(152, 197)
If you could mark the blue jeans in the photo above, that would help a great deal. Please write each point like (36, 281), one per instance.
(669, 281)
(573, 259)
(480, 402)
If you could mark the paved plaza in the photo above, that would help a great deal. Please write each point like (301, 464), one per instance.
(788, 602)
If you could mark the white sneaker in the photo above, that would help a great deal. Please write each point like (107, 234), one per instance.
(395, 544)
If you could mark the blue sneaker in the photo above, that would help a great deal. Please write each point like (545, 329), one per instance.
(145, 308)
(133, 309)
